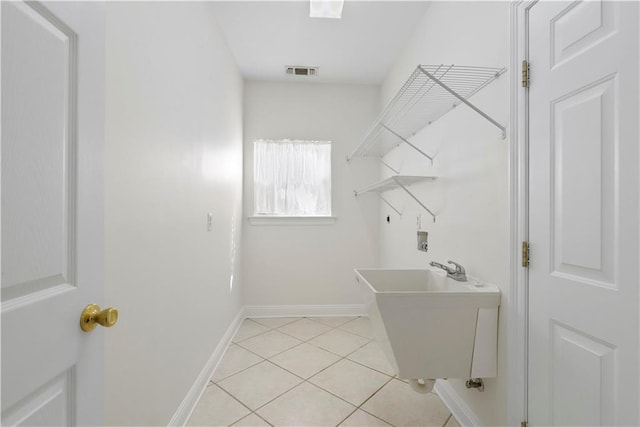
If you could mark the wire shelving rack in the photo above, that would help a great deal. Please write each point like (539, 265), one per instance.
(430, 92)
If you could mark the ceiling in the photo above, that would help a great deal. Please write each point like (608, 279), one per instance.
(266, 36)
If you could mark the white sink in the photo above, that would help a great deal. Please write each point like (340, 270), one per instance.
(431, 326)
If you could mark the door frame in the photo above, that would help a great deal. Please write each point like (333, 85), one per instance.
(518, 300)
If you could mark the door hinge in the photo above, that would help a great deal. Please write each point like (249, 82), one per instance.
(525, 254)
(525, 73)
(523, 424)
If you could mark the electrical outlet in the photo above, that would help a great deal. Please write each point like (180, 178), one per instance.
(209, 221)
(423, 243)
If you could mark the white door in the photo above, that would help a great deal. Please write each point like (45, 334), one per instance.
(52, 209)
(583, 182)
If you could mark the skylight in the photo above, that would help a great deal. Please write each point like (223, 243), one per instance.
(325, 8)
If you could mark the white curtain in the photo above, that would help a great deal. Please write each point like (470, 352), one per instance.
(292, 178)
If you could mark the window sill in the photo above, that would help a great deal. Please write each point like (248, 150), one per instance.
(292, 220)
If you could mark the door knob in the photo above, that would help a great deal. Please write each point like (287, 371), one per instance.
(92, 316)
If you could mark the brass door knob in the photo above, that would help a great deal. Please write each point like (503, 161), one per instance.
(92, 316)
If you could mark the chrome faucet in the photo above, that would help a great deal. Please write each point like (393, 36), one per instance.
(458, 274)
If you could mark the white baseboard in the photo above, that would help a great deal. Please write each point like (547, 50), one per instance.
(458, 407)
(182, 414)
(304, 310)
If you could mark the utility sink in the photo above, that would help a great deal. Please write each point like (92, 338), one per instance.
(431, 326)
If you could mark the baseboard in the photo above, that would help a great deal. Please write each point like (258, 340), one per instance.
(304, 310)
(182, 414)
(458, 407)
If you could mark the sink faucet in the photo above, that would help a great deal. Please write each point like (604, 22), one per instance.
(456, 274)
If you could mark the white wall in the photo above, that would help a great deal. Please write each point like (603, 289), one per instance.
(311, 264)
(173, 153)
(470, 197)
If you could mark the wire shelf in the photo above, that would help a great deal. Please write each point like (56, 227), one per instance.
(429, 93)
(397, 181)
(392, 183)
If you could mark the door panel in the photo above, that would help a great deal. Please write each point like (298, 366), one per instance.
(579, 26)
(52, 141)
(47, 406)
(583, 227)
(37, 212)
(583, 218)
(574, 354)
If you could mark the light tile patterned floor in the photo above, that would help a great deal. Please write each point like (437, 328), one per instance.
(320, 371)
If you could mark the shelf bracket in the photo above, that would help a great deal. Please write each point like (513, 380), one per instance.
(385, 201)
(389, 204)
(464, 101)
(407, 142)
(397, 172)
(416, 199)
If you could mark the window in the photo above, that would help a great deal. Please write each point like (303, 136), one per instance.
(292, 178)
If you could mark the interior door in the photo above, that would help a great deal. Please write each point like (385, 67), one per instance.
(52, 210)
(584, 273)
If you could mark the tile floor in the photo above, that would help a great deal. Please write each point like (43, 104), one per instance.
(324, 371)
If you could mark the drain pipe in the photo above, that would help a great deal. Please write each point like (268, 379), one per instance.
(422, 386)
(476, 383)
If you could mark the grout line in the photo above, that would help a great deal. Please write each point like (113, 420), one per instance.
(297, 319)
(242, 370)
(337, 326)
(371, 397)
(366, 366)
(308, 341)
(281, 394)
(236, 399)
(313, 375)
(273, 355)
(286, 370)
(290, 348)
(377, 417)
(235, 373)
(249, 350)
(347, 417)
(249, 414)
(333, 394)
(252, 336)
(257, 415)
(303, 340)
(306, 380)
(293, 319)
(341, 359)
(266, 403)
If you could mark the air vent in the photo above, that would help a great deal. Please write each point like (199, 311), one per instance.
(302, 71)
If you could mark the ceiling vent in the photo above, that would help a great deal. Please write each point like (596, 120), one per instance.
(301, 71)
